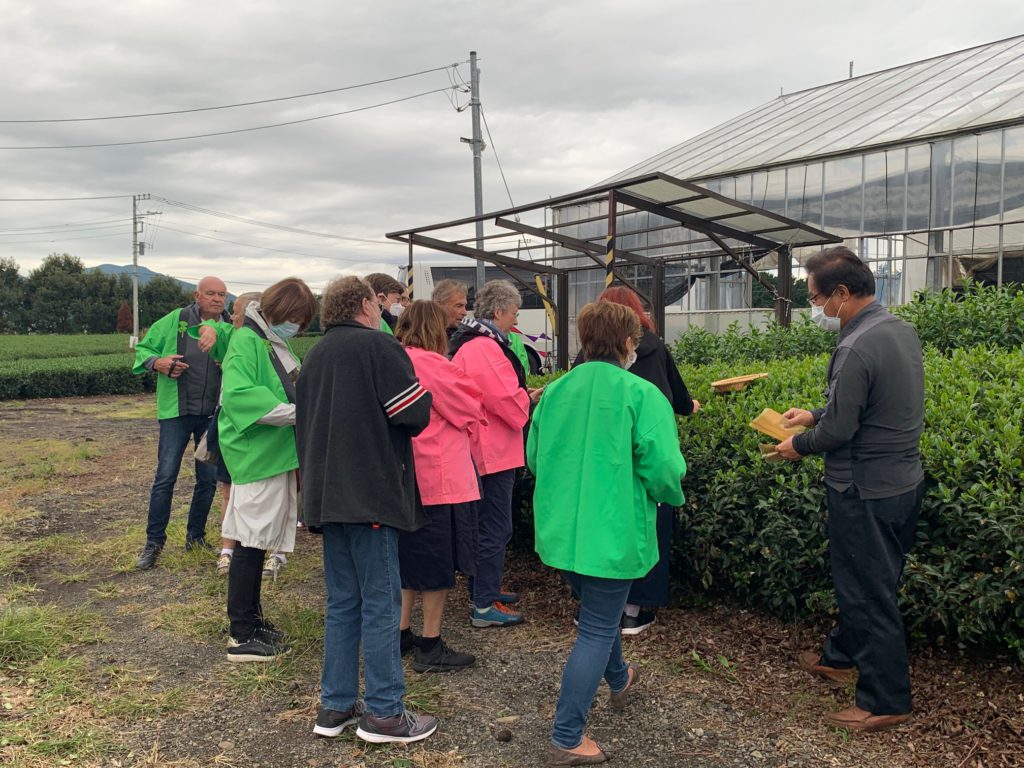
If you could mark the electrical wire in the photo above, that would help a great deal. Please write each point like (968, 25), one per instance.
(269, 225)
(233, 106)
(65, 239)
(60, 227)
(59, 199)
(234, 131)
(266, 248)
(494, 149)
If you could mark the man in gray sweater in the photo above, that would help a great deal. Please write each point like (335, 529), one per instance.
(869, 432)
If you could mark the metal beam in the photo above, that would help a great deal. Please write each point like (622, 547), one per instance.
(694, 222)
(475, 253)
(583, 246)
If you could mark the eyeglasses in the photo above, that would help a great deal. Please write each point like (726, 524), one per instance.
(813, 297)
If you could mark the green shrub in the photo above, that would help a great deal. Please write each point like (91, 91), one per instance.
(980, 315)
(755, 532)
(700, 347)
(72, 376)
(41, 346)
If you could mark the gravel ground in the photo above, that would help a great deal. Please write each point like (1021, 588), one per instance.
(719, 685)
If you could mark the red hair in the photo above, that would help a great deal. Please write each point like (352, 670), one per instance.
(621, 294)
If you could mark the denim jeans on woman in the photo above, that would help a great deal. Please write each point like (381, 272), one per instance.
(175, 435)
(596, 654)
(364, 602)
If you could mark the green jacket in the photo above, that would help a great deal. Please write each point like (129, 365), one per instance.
(515, 343)
(250, 391)
(605, 450)
(195, 392)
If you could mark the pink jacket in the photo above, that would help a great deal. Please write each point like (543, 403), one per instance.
(498, 445)
(442, 452)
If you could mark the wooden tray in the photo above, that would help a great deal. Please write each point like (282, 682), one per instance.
(771, 423)
(736, 383)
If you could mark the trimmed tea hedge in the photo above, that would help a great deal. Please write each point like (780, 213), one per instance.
(755, 531)
(63, 374)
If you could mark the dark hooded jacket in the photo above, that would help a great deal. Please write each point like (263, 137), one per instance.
(358, 406)
(654, 363)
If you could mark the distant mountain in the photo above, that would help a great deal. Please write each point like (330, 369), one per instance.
(145, 275)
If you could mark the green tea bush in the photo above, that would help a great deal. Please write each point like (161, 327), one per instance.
(981, 314)
(700, 347)
(754, 531)
(72, 376)
(41, 346)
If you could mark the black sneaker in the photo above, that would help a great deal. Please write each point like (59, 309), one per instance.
(410, 642)
(400, 729)
(269, 630)
(199, 543)
(259, 647)
(148, 557)
(331, 722)
(441, 658)
(634, 625)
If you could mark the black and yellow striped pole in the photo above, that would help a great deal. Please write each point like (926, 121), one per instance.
(544, 297)
(408, 273)
(609, 245)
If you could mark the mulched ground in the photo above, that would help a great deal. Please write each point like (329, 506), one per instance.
(720, 687)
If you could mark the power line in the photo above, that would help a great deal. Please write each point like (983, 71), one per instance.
(65, 239)
(58, 199)
(494, 149)
(67, 226)
(60, 230)
(237, 130)
(266, 248)
(269, 225)
(233, 106)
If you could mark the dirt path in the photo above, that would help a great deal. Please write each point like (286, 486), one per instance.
(137, 675)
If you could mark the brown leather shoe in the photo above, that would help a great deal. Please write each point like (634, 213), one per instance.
(618, 699)
(810, 662)
(856, 719)
(559, 756)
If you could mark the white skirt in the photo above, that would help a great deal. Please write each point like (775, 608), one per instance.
(263, 514)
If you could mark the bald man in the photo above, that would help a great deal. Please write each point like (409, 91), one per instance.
(187, 392)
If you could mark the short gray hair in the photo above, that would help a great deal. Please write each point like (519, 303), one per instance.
(447, 289)
(495, 295)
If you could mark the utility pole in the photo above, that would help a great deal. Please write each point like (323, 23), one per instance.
(477, 145)
(136, 249)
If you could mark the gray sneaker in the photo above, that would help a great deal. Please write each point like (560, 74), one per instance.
(330, 722)
(400, 729)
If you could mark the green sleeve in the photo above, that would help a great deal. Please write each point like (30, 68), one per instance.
(385, 327)
(533, 437)
(657, 460)
(515, 343)
(155, 342)
(224, 331)
(246, 396)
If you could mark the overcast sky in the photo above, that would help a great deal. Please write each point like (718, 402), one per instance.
(573, 92)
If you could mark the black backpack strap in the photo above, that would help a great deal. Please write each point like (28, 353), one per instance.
(286, 380)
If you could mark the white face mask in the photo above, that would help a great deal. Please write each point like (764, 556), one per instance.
(396, 309)
(819, 318)
(285, 330)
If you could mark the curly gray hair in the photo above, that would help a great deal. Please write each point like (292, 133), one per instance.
(495, 295)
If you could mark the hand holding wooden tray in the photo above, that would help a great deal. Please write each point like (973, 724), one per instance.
(770, 422)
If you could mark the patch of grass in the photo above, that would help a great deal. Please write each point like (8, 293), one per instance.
(123, 409)
(44, 458)
(31, 632)
(267, 679)
(720, 666)
(134, 703)
(422, 694)
(199, 619)
(74, 577)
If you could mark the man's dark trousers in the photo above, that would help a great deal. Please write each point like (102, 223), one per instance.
(868, 542)
(175, 435)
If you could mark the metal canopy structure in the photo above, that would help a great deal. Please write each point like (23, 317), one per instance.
(685, 220)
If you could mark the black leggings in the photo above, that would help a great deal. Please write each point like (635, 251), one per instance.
(245, 579)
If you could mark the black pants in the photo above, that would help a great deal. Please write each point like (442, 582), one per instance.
(868, 543)
(245, 580)
(652, 590)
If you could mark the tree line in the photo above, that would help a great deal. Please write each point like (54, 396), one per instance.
(60, 296)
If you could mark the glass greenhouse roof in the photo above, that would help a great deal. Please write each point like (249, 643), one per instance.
(958, 92)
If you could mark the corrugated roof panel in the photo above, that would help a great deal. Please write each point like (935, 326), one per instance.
(959, 91)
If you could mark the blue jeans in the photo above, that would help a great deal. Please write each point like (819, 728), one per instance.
(494, 520)
(174, 437)
(364, 602)
(596, 654)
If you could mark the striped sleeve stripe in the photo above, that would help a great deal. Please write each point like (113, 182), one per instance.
(409, 400)
(401, 395)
